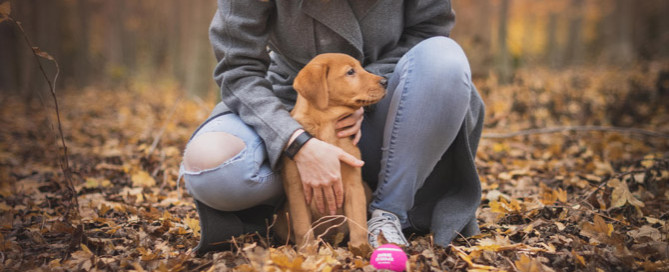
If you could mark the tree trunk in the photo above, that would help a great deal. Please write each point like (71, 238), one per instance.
(553, 51)
(503, 67)
(574, 50)
(623, 51)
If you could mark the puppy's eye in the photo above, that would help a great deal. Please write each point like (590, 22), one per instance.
(351, 72)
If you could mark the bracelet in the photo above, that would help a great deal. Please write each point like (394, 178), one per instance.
(297, 144)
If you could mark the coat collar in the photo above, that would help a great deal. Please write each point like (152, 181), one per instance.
(339, 16)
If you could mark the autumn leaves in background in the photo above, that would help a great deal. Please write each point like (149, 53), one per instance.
(562, 201)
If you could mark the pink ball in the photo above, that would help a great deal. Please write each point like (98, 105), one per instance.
(389, 257)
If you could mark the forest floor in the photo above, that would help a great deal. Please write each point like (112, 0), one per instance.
(580, 199)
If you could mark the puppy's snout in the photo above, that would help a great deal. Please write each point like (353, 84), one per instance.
(384, 82)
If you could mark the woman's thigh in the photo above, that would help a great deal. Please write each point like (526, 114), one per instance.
(428, 97)
(243, 181)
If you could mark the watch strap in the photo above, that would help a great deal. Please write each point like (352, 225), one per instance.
(297, 144)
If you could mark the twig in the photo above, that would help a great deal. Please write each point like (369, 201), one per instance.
(601, 185)
(465, 238)
(334, 225)
(234, 242)
(605, 181)
(644, 132)
(512, 264)
(268, 227)
(202, 266)
(64, 163)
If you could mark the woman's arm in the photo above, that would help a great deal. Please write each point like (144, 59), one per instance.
(239, 34)
(423, 19)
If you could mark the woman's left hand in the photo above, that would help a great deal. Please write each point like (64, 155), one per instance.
(350, 125)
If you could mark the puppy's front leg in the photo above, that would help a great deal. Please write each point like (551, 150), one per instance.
(355, 208)
(300, 214)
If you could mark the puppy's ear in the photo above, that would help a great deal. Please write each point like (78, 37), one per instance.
(311, 83)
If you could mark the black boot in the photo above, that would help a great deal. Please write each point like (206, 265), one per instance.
(218, 227)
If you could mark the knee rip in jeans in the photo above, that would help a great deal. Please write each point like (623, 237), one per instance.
(210, 150)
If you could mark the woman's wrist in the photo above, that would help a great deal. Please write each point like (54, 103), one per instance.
(296, 142)
(292, 137)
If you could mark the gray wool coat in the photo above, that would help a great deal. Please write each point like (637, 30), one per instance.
(260, 46)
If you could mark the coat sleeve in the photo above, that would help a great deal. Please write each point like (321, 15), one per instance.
(423, 19)
(239, 35)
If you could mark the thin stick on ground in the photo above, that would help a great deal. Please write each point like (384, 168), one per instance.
(64, 163)
(644, 132)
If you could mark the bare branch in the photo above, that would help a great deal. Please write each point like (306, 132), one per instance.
(64, 164)
(644, 132)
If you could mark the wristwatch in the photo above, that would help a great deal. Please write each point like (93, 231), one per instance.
(297, 144)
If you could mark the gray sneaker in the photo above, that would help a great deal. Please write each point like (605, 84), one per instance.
(388, 224)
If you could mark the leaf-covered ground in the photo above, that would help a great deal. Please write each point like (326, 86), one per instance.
(579, 199)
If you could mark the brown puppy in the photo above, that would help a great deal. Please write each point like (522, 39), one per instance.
(330, 87)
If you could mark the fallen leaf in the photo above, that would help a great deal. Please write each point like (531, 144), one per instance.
(640, 177)
(142, 179)
(527, 264)
(465, 257)
(147, 255)
(648, 161)
(599, 230)
(505, 207)
(622, 195)
(92, 183)
(652, 220)
(42, 54)
(645, 234)
(194, 225)
(579, 258)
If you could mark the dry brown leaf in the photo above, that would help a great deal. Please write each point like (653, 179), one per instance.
(645, 234)
(527, 264)
(579, 258)
(465, 257)
(505, 207)
(42, 54)
(194, 225)
(549, 196)
(142, 179)
(599, 230)
(622, 195)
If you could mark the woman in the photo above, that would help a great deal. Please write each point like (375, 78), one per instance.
(417, 144)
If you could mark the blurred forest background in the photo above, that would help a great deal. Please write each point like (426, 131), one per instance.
(112, 43)
(573, 161)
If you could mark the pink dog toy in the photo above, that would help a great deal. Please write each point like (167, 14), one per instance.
(389, 257)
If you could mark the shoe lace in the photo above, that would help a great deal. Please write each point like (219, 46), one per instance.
(390, 227)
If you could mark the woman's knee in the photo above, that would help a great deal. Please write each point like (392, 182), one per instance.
(210, 150)
(443, 65)
(444, 58)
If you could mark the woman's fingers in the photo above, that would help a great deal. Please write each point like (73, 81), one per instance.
(339, 193)
(330, 197)
(358, 135)
(350, 159)
(318, 197)
(319, 166)
(350, 125)
(308, 193)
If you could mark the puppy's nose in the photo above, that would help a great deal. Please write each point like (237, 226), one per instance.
(383, 82)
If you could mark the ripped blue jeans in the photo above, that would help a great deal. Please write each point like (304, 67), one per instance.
(403, 139)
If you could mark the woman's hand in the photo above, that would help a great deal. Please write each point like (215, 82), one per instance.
(350, 125)
(320, 170)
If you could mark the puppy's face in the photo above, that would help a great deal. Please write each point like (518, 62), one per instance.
(333, 80)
